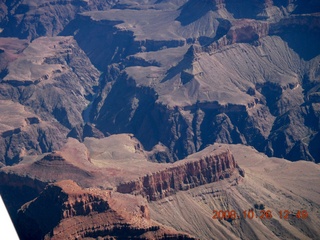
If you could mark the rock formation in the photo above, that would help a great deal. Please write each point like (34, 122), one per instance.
(31, 19)
(110, 109)
(193, 89)
(125, 171)
(44, 90)
(182, 176)
(165, 71)
(97, 213)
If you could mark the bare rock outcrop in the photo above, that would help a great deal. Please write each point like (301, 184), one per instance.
(47, 84)
(116, 165)
(164, 79)
(96, 213)
(205, 94)
(23, 132)
(32, 19)
(182, 176)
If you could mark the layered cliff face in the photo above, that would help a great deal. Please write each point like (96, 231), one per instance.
(117, 164)
(170, 79)
(119, 161)
(269, 183)
(65, 210)
(164, 80)
(97, 213)
(203, 94)
(45, 87)
(32, 19)
(183, 176)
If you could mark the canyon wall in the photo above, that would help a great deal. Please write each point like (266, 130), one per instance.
(29, 19)
(183, 176)
(169, 100)
(97, 213)
(44, 90)
(274, 95)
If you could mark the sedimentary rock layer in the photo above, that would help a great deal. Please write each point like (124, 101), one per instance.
(182, 176)
(54, 213)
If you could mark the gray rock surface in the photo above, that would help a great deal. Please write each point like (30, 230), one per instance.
(207, 78)
(182, 74)
(111, 94)
(44, 91)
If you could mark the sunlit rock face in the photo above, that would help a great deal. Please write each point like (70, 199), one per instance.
(174, 66)
(118, 116)
(96, 212)
(184, 176)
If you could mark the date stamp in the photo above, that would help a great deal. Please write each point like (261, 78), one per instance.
(258, 214)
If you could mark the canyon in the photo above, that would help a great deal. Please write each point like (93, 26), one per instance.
(130, 197)
(64, 203)
(103, 189)
(136, 119)
(166, 78)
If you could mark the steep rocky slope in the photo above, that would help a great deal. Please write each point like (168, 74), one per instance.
(109, 109)
(212, 79)
(270, 183)
(45, 86)
(109, 211)
(183, 176)
(97, 213)
(182, 83)
(119, 161)
(32, 19)
(116, 165)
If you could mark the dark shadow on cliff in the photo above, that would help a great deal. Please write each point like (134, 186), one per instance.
(314, 147)
(244, 8)
(307, 6)
(184, 64)
(37, 220)
(193, 10)
(303, 41)
(99, 41)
